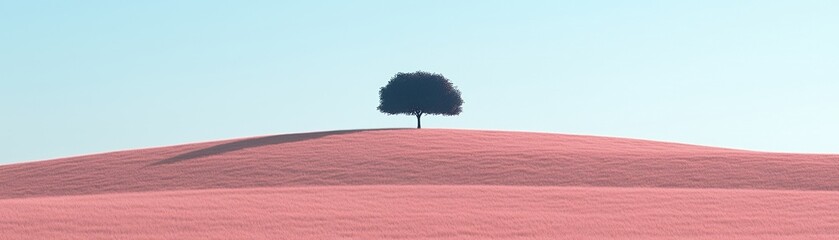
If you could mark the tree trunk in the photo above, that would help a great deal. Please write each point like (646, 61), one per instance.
(418, 121)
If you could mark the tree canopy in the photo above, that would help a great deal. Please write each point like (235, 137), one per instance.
(420, 93)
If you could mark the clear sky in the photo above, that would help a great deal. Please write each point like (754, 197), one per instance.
(81, 77)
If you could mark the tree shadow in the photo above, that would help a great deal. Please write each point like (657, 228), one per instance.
(255, 142)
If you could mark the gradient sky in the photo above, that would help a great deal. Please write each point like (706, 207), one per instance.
(81, 77)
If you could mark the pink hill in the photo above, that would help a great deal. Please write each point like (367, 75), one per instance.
(424, 184)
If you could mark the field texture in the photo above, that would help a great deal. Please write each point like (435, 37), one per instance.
(424, 184)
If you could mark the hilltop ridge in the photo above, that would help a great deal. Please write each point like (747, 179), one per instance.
(420, 157)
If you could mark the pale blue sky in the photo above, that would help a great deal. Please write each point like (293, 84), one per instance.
(81, 77)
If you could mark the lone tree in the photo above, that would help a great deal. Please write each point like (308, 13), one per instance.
(420, 93)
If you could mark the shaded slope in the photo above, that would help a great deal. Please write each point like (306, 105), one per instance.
(420, 157)
(428, 212)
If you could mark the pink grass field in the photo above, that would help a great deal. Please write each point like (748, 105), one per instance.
(424, 184)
